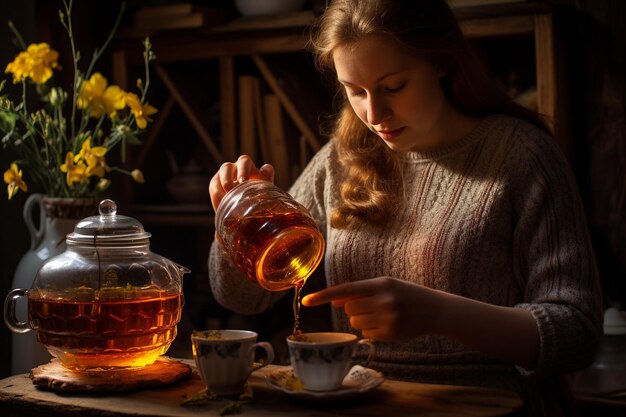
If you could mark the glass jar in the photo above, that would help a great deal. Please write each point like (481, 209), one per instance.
(269, 236)
(107, 302)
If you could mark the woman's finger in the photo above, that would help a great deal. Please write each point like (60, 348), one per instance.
(245, 168)
(364, 322)
(341, 292)
(228, 175)
(359, 306)
(268, 172)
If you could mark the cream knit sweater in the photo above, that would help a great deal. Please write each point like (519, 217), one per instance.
(496, 217)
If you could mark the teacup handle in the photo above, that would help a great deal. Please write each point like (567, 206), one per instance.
(371, 347)
(269, 351)
(10, 317)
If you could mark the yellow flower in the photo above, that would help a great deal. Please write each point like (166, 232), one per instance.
(96, 164)
(94, 93)
(103, 184)
(137, 176)
(13, 177)
(36, 63)
(75, 172)
(140, 110)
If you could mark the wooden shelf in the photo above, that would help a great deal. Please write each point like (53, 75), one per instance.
(258, 38)
(174, 214)
(244, 36)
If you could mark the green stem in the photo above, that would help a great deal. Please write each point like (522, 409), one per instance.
(95, 130)
(98, 52)
(67, 24)
(58, 115)
(84, 121)
(25, 108)
(19, 38)
(147, 54)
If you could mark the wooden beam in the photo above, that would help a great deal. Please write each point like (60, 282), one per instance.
(497, 26)
(546, 77)
(290, 108)
(120, 69)
(154, 130)
(227, 107)
(191, 115)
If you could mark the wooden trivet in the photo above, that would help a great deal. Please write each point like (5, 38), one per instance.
(55, 376)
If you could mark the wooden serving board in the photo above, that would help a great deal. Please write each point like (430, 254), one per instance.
(55, 376)
(20, 398)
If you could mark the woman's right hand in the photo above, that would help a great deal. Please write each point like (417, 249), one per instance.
(233, 173)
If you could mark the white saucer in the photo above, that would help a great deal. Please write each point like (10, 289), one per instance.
(358, 381)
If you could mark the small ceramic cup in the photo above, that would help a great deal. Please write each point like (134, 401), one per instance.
(322, 360)
(224, 358)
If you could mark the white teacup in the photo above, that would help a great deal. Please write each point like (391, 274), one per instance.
(322, 360)
(224, 358)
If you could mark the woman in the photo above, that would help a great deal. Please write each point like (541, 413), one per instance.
(455, 233)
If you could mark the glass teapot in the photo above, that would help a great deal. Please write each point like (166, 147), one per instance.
(107, 302)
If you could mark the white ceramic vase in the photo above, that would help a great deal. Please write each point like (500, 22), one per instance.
(47, 236)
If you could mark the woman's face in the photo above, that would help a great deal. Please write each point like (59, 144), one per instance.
(396, 94)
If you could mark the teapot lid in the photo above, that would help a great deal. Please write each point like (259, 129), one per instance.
(108, 229)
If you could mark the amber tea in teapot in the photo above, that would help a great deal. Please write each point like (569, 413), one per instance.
(269, 236)
(107, 302)
(105, 333)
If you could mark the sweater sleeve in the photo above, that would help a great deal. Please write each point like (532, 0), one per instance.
(230, 287)
(554, 259)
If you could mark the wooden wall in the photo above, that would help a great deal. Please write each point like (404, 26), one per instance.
(594, 33)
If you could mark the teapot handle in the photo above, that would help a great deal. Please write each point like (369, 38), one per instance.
(10, 318)
(36, 234)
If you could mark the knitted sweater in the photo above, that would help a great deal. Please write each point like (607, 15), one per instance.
(496, 217)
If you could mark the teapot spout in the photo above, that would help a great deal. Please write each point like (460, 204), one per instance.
(181, 269)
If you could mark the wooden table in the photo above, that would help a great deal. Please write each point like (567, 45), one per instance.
(18, 397)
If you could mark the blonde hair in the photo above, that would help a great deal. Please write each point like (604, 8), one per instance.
(369, 191)
(428, 28)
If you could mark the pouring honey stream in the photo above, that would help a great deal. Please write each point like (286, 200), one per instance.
(270, 237)
(297, 303)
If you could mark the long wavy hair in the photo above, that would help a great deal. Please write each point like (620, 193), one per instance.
(429, 28)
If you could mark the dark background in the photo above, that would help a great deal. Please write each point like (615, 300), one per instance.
(593, 39)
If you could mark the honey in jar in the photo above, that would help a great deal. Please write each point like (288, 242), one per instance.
(268, 235)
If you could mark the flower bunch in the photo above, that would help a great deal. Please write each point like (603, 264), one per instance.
(63, 145)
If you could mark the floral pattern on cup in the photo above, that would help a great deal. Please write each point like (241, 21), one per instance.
(224, 358)
(322, 360)
(334, 354)
(224, 351)
(228, 351)
(208, 334)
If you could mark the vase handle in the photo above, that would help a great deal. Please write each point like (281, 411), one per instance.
(10, 318)
(36, 233)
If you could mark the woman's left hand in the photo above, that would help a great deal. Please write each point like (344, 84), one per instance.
(384, 308)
